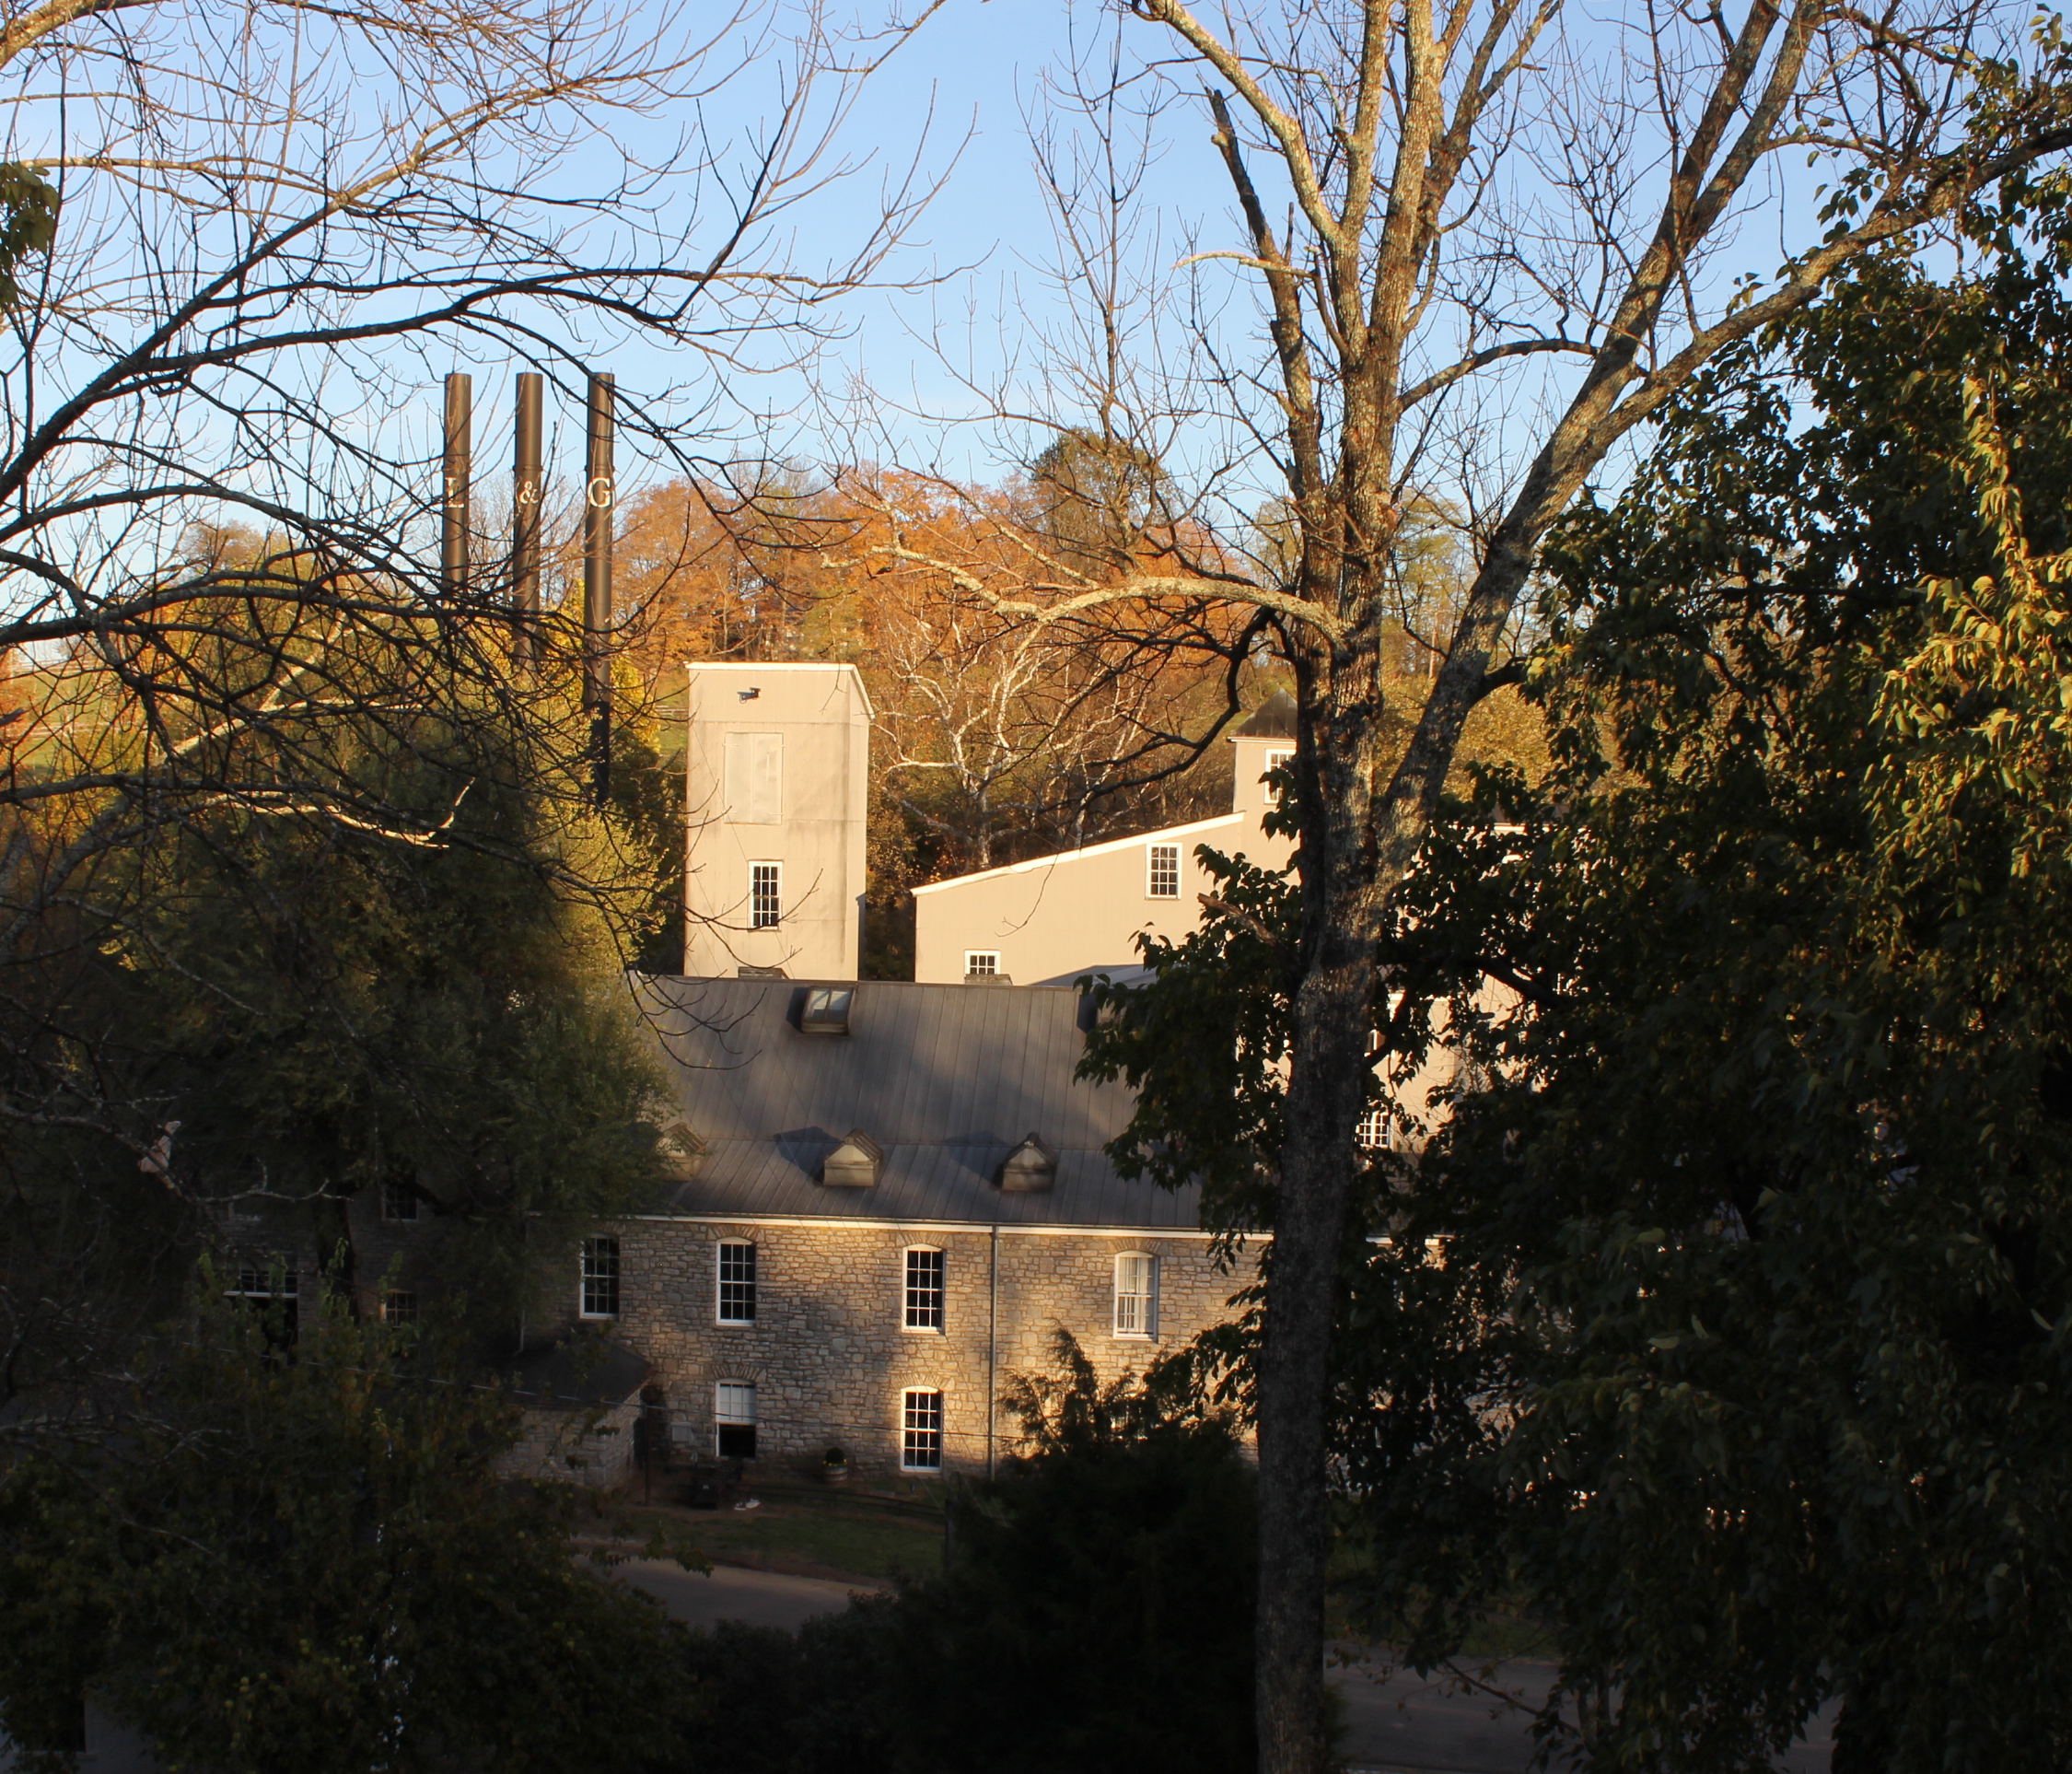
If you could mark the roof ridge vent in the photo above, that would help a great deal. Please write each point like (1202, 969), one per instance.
(854, 1163)
(1029, 1168)
(827, 1010)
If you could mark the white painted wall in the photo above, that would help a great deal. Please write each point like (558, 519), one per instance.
(1053, 918)
(777, 769)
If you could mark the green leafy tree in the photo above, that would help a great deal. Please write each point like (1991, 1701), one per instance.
(1095, 1612)
(1742, 1354)
(1417, 192)
(311, 1005)
(1097, 1607)
(316, 1563)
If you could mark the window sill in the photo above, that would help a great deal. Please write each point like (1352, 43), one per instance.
(597, 1317)
(735, 1324)
(921, 1330)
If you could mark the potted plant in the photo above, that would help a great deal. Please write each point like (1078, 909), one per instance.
(836, 1464)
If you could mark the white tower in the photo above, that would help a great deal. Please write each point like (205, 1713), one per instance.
(777, 777)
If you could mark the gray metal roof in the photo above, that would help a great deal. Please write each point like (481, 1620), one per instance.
(1277, 718)
(947, 1080)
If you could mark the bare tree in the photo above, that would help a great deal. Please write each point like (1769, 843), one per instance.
(275, 222)
(1483, 241)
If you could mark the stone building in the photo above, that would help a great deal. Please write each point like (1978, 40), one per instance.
(890, 1196)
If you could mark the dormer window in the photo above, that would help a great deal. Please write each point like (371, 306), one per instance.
(827, 1010)
(854, 1163)
(683, 1153)
(1030, 1167)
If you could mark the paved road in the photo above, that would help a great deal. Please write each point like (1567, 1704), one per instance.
(1404, 1723)
(763, 1598)
(1396, 1722)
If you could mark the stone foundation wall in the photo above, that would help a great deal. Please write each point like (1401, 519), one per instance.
(829, 1357)
(587, 1447)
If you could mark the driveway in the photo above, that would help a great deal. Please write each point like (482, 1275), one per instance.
(763, 1598)
(1397, 1722)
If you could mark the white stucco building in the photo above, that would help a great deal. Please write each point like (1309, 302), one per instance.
(777, 779)
(1047, 921)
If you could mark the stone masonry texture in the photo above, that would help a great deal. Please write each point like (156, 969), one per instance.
(828, 1354)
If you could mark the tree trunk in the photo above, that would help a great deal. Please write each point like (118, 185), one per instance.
(1294, 1369)
(1357, 848)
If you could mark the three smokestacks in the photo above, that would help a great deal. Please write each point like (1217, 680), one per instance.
(599, 498)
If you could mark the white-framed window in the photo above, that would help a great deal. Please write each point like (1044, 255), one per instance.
(766, 895)
(755, 778)
(399, 1201)
(921, 1429)
(737, 1282)
(981, 961)
(1372, 1133)
(1276, 761)
(276, 1296)
(924, 1289)
(601, 1278)
(1162, 872)
(1137, 1294)
(734, 1412)
(399, 1306)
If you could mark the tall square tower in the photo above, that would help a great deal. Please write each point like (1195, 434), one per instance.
(778, 780)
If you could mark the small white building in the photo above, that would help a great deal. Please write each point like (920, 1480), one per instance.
(1047, 921)
(777, 778)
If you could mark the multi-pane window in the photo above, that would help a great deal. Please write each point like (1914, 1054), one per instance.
(981, 961)
(737, 1284)
(924, 1290)
(1275, 794)
(1163, 881)
(399, 1306)
(601, 1278)
(766, 895)
(921, 1430)
(275, 1296)
(734, 1410)
(1136, 1295)
(399, 1201)
(1372, 1133)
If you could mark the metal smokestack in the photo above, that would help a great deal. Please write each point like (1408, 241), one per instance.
(453, 502)
(599, 491)
(524, 516)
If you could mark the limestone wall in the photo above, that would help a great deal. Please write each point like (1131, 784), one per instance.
(588, 1447)
(828, 1355)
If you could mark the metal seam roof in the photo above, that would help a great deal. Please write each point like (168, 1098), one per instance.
(947, 1079)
